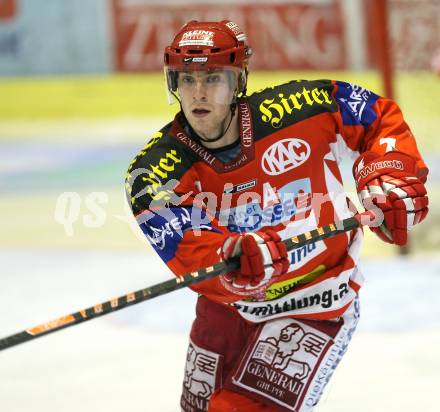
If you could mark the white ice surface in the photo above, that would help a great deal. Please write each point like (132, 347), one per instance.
(133, 360)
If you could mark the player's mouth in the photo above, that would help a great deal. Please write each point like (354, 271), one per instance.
(200, 112)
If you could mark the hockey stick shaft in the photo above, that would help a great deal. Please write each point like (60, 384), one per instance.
(179, 282)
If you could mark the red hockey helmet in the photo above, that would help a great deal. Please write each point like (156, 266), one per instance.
(208, 46)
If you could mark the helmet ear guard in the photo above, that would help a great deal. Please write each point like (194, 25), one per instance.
(172, 80)
(170, 76)
(238, 82)
(242, 81)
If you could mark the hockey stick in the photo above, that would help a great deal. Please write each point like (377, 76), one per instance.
(366, 218)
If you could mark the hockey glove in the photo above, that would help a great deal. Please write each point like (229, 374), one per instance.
(390, 183)
(263, 258)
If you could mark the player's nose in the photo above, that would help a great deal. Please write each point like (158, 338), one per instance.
(199, 92)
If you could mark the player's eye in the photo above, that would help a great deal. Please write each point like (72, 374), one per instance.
(213, 78)
(186, 79)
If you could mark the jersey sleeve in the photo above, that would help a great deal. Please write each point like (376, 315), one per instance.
(369, 122)
(170, 212)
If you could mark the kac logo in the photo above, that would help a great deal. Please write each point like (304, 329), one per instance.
(285, 155)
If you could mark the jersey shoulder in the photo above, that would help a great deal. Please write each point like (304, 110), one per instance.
(289, 103)
(157, 169)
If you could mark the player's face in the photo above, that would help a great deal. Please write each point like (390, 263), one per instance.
(206, 99)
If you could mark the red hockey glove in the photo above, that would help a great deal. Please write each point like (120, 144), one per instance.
(389, 182)
(263, 258)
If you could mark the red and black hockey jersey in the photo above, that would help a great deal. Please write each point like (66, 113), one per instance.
(286, 176)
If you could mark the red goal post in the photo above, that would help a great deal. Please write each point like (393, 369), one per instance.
(367, 38)
(379, 12)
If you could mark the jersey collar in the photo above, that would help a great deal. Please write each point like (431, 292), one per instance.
(246, 154)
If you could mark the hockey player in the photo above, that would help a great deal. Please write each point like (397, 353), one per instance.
(231, 176)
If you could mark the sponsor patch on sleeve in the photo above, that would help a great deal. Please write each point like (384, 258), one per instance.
(166, 227)
(356, 104)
